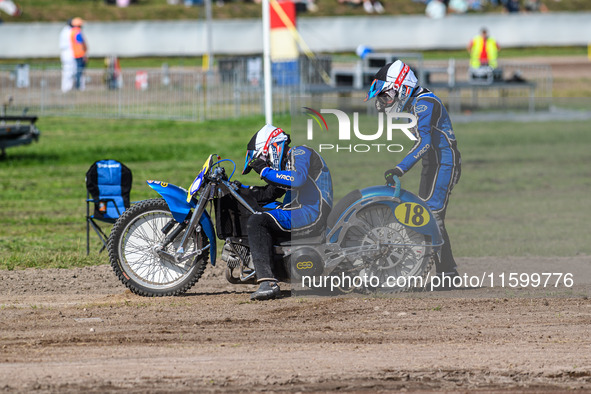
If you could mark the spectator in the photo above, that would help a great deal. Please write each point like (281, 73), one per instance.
(351, 3)
(483, 50)
(67, 58)
(305, 6)
(10, 8)
(534, 6)
(476, 5)
(435, 9)
(79, 49)
(458, 6)
(371, 6)
(511, 5)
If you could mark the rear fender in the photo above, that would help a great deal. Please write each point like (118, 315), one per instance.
(176, 198)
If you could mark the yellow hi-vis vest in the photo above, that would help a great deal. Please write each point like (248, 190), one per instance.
(491, 51)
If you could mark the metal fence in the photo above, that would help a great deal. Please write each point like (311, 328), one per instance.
(233, 89)
(155, 93)
(516, 86)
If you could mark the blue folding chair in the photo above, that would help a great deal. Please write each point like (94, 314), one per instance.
(108, 185)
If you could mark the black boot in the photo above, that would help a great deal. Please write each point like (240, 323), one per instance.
(268, 290)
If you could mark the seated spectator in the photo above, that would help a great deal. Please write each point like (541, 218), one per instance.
(458, 6)
(476, 5)
(371, 6)
(534, 6)
(9, 7)
(305, 6)
(436, 9)
(511, 5)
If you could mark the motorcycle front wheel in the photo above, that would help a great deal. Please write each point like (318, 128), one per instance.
(136, 251)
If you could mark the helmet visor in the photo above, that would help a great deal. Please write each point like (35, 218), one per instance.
(377, 86)
(249, 156)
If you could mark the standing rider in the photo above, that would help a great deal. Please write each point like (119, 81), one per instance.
(300, 171)
(396, 90)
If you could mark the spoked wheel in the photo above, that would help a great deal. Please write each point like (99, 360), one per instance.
(142, 263)
(395, 254)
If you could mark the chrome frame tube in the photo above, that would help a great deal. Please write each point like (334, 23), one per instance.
(197, 212)
(237, 196)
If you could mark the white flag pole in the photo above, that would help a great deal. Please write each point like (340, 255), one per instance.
(209, 37)
(267, 62)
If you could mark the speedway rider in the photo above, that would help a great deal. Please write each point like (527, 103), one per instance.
(300, 171)
(396, 89)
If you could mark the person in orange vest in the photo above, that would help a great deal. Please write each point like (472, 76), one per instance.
(79, 49)
(483, 50)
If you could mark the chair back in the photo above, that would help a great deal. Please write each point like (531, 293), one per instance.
(109, 184)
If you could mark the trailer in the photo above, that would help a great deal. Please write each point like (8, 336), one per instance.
(17, 130)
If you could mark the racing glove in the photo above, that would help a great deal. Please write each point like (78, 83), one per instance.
(389, 175)
(258, 164)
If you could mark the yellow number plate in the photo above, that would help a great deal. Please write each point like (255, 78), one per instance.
(412, 214)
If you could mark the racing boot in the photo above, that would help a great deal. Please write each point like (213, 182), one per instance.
(268, 290)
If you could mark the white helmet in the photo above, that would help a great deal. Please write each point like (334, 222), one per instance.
(393, 85)
(269, 143)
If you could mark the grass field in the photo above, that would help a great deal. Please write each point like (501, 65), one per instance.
(524, 187)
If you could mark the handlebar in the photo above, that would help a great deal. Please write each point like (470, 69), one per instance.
(231, 161)
(397, 186)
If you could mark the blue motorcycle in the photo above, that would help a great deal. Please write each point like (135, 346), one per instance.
(160, 247)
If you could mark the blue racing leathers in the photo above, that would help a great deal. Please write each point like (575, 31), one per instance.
(309, 196)
(436, 146)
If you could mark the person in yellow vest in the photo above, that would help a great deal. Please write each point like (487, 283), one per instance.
(79, 49)
(484, 50)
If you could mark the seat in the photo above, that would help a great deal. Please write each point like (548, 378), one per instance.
(108, 185)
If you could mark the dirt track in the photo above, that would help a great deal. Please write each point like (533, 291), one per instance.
(81, 330)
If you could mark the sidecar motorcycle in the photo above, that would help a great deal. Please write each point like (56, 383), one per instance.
(160, 247)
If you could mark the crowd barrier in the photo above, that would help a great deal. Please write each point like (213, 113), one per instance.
(235, 89)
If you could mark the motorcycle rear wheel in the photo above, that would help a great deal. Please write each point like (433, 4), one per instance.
(405, 257)
(132, 247)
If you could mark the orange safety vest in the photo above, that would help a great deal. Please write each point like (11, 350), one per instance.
(78, 48)
(491, 51)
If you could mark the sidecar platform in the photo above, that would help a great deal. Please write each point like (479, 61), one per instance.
(17, 130)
